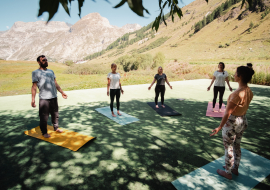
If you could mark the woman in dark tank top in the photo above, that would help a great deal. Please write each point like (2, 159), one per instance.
(161, 78)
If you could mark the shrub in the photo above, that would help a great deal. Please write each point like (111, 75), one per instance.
(251, 25)
(135, 62)
(227, 44)
(158, 60)
(69, 63)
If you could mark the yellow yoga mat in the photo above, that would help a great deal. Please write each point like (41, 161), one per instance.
(68, 139)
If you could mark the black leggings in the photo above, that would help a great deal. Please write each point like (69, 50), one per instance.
(160, 89)
(221, 90)
(113, 93)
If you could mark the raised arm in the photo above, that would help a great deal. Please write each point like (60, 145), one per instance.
(168, 82)
(214, 78)
(34, 92)
(152, 84)
(227, 80)
(229, 109)
(60, 90)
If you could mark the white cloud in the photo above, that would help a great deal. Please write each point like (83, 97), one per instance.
(42, 19)
(7, 27)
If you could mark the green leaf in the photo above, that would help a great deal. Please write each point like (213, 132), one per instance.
(80, 4)
(120, 4)
(136, 6)
(50, 6)
(164, 20)
(65, 5)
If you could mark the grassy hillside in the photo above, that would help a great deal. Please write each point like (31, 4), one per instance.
(242, 43)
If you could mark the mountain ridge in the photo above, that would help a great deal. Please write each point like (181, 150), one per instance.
(60, 41)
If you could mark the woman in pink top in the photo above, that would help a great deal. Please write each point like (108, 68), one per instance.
(234, 121)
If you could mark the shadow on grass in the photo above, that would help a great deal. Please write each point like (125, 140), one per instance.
(148, 154)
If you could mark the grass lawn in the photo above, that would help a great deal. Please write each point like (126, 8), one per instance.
(148, 154)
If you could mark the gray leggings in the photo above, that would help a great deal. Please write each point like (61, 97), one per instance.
(46, 107)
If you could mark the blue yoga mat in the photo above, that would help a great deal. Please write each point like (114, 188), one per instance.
(122, 120)
(252, 170)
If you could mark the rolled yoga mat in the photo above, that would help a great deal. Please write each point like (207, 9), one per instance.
(252, 170)
(68, 139)
(216, 113)
(167, 111)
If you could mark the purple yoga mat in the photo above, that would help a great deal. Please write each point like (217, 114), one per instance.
(216, 113)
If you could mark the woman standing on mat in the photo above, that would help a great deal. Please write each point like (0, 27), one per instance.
(160, 77)
(114, 88)
(220, 76)
(234, 121)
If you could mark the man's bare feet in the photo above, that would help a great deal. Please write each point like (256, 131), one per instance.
(119, 113)
(157, 106)
(224, 174)
(234, 171)
(113, 114)
(46, 135)
(213, 110)
(163, 106)
(219, 110)
(59, 130)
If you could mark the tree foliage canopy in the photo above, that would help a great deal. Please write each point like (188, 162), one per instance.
(51, 6)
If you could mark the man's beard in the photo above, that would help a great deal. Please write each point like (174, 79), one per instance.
(44, 65)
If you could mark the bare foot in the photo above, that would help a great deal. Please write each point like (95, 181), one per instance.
(119, 113)
(113, 115)
(219, 110)
(213, 110)
(224, 174)
(157, 106)
(59, 130)
(163, 106)
(46, 135)
(234, 171)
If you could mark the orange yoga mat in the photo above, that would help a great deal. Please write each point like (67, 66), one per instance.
(68, 139)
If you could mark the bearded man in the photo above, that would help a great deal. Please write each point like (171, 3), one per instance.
(44, 79)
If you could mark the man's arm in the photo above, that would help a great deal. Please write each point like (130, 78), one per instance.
(34, 92)
(60, 90)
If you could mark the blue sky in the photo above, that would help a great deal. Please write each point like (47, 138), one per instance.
(27, 10)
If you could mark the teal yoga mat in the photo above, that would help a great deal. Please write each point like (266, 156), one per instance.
(122, 120)
(252, 170)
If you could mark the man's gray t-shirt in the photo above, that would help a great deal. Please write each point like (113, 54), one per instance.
(45, 83)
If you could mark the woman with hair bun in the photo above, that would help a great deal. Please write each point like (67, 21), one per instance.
(220, 76)
(234, 121)
(114, 88)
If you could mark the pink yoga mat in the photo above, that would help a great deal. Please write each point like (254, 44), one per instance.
(216, 113)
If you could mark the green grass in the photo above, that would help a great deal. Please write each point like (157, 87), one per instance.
(147, 154)
(15, 76)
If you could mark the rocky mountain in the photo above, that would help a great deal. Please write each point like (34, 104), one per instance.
(58, 40)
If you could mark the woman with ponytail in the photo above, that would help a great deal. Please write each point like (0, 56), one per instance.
(220, 76)
(234, 121)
